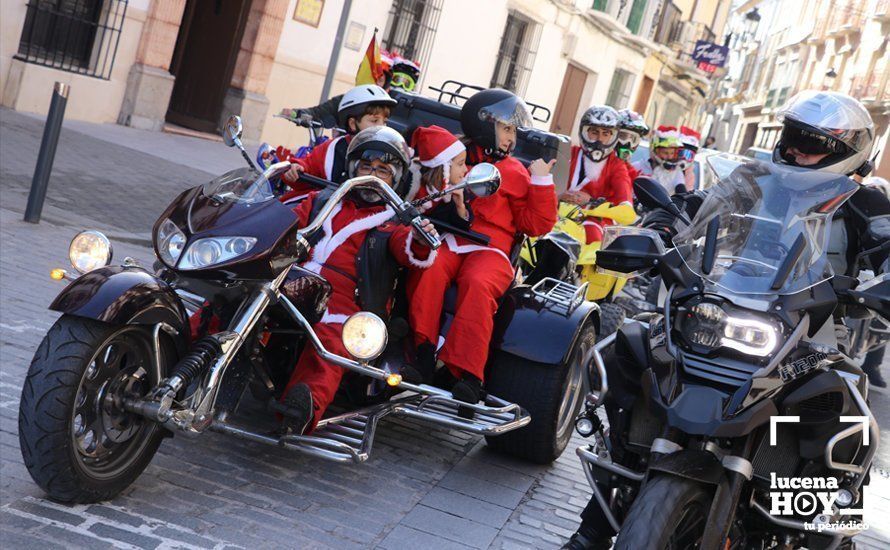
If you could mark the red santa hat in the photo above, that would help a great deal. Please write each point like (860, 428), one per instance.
(667, 132)
(436, 146)
(689, 136)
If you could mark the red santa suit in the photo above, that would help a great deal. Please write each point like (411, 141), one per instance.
(522, 204)
(326, 161)
(607, 179)
(333, 257)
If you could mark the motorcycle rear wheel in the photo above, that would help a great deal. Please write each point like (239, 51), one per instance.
(77, 442)
(669, 513)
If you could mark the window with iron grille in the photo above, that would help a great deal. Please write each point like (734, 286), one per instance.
(411, 28)
(79, 36)
(619, 89)
(516, 55)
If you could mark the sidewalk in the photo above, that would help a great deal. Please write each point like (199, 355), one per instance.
(422, 488)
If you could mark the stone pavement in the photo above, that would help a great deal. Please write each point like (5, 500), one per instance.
(422, 488)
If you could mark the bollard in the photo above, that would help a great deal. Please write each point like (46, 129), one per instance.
(47, 154)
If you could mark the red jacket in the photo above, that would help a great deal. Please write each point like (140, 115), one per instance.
(632, 172)
(614, 183)
(321, 163)
(522, 204)
(333, 257)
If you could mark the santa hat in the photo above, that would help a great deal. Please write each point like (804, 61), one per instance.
(689, 136)
(436, 146)
(667, 132)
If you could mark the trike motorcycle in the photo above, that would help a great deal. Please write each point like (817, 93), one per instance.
(121, 369)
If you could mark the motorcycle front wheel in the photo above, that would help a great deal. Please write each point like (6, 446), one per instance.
(669, 513)
(77, 441)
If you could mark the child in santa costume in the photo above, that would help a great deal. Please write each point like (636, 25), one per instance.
(522, 204)
(596, 173)
(663, 164)
(441, 161)
(378, 151)
(631, 130)
(361, 107)
(689, 138)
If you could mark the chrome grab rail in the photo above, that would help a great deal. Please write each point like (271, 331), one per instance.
(874, 438)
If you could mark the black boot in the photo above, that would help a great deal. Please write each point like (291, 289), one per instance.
(296, 410)
(582, 540)
(468, 389)
(872, 367)
(424, 367)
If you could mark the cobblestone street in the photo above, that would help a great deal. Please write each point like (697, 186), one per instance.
(422, 487)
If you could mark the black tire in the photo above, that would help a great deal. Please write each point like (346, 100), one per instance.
(77, 445)
(548, 392)
(665, 507)
(611, 318)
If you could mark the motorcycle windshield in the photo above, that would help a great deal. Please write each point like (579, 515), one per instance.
(772, 229)
(242, 185)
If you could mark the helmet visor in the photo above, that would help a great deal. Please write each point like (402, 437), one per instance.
(511, 110)
(836, 115)
(809, 142)
(628, 138)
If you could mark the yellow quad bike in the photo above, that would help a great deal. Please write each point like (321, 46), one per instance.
(563, 254)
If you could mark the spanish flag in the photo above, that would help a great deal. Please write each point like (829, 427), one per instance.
(371, 67)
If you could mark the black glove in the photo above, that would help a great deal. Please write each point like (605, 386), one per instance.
(663, 223)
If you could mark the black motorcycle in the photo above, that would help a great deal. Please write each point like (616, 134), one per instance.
(136, 355)
(735, 390)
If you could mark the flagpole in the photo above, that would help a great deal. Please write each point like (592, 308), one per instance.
(335, 52)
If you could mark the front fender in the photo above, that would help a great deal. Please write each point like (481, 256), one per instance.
(691, 464)
(529, 327)
(122, 295)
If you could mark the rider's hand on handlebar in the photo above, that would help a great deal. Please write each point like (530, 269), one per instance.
(427, 227)
(293, 173)
(575, 197)
(541, 168)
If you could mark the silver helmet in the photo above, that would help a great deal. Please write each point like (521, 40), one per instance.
(384, 144)
(825, 123)
(604, 117)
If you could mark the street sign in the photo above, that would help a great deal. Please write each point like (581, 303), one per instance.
(709, 53)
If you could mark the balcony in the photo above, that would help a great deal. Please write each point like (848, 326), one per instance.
(820, 30)
(845, 20)
(882, 11)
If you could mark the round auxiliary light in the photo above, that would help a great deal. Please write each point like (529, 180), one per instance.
(89, 250)
(364, 335)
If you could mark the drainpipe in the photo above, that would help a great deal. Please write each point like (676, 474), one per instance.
(335, 52)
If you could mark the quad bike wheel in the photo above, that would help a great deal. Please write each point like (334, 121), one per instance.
(77, 441)
(552, 394)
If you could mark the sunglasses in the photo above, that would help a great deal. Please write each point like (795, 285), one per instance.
(366, 168)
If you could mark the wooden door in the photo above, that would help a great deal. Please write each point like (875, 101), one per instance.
(569, 100)
(643, 95)
(203, 61)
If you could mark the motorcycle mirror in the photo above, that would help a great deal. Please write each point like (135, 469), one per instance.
(483, 180)
(232, 130)
(651, 194)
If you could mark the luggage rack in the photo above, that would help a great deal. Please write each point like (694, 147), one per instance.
(348, 437)
(447, 95)
(560, 293)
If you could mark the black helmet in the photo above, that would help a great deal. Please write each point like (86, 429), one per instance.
(384, 144)
(480, 113)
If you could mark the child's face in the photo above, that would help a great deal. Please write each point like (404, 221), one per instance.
(368, 121)
(506, 136)
(458, 168)
(377, 168)
(666, 153)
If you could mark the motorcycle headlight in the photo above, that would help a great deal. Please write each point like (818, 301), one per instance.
(364, 335)
(214, 250)
(711, 326)
(171, 242)
(89, 250)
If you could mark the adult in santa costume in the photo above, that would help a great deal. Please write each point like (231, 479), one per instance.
(596, 173)
(378, 151)
(522, 204)
(361, 107)
(663, 162)
(689, 139)
(631, 130)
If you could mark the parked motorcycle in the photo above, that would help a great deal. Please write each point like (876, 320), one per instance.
(120, 370)
(738, 385)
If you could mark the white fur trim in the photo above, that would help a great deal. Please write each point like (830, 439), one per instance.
(414, 186)
(333, 318)
(331, 241)
(575, 182)
(467, 248)
(296, 199)
(329, 157)
(422, 264)
(593, 171)
(542, 180)
(445, 155)
(588, 222)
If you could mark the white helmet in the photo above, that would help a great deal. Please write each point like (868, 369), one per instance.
(827, 123)
(356, 100)
(604, 117)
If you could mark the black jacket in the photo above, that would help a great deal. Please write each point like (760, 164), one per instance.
(326, 113)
